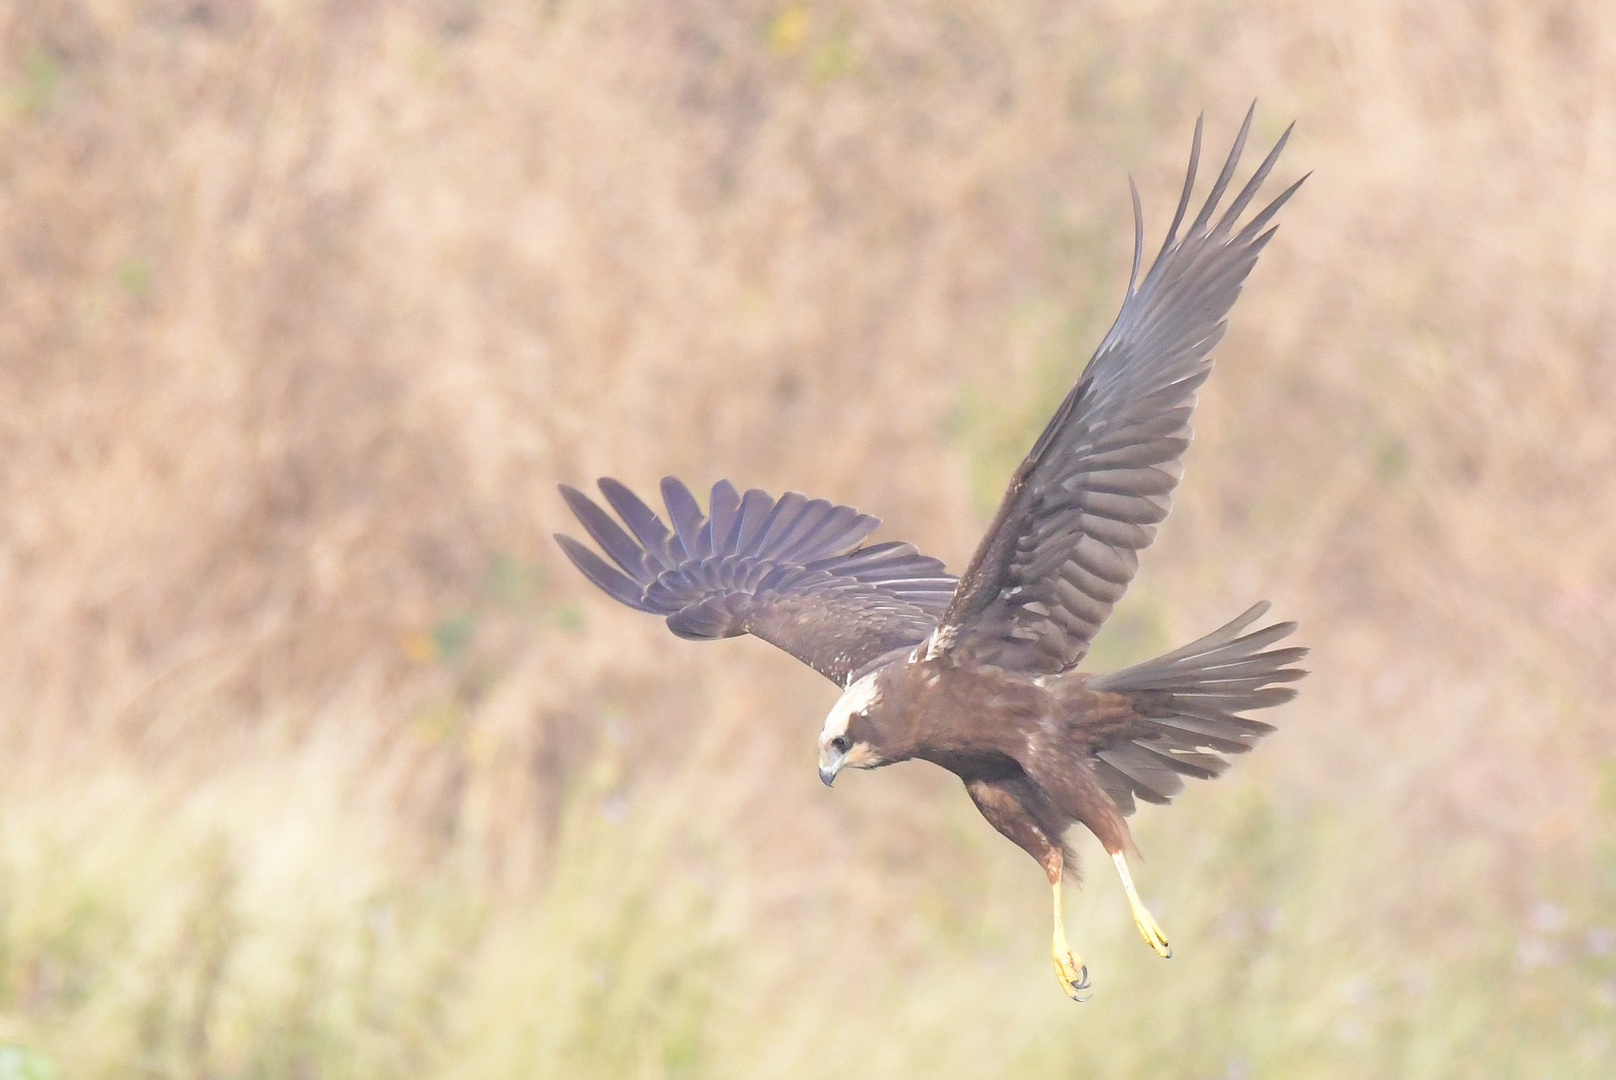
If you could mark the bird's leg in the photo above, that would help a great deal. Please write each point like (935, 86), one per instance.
(1070, 970)
(1141, 917)
(1021, 812)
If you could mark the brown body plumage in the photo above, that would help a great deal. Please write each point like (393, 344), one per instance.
(1041, 766)
(1029, 773)
(978, 674)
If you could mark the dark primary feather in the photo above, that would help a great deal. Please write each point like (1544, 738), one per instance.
(788, 570)
(1065, 542)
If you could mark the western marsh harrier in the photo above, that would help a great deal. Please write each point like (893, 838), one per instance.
(978, 674)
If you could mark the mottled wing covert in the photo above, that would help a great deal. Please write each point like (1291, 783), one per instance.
(789, 571)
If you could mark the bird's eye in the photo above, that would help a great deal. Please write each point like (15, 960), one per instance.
(840, 744)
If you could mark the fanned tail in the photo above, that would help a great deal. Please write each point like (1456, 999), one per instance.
(1189, 704)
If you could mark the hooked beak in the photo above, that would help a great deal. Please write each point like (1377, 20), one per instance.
(828, 770)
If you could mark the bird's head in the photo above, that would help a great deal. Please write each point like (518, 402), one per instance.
(848, 737)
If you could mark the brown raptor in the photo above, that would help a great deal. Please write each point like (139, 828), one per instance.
(978, 675)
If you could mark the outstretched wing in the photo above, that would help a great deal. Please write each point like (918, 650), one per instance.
(789, 571)
(1066, 540)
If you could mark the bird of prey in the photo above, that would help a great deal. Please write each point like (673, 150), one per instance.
(979, 674)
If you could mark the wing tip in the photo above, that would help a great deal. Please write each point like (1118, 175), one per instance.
(614, 583)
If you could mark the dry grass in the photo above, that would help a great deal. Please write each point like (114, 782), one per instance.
(318, 761)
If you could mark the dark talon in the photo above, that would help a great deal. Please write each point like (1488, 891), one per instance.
(1075, 987)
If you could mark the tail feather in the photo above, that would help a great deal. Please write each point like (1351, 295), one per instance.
(1187, 706)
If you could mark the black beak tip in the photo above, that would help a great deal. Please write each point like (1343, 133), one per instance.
(828, 776)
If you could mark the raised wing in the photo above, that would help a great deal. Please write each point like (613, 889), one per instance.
(789, 571)
(1066, 540)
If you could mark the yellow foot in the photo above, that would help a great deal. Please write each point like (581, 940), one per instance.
(1070, 970)
(1152, 933)
(1072, 974)
(1148, 928)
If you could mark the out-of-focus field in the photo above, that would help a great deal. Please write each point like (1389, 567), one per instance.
(316, 760)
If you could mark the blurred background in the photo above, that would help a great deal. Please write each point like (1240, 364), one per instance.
(317, 760)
